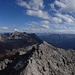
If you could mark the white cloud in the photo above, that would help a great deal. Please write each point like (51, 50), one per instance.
(60, 27)
(45, 26)
(52, 6)
(67, 18)
(41, 27)
(58, 17)
(33, 22)
(56, 20)
(34, 8)
(45, 22)
(38, 13)
(3, 28)
(23, 4)
(65, 5)
(15, 29)
(32, 4)
(60, 4)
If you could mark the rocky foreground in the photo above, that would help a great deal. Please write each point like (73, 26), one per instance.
(43, 59)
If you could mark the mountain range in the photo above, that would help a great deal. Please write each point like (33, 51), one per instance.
(66, 41)
(36, 58)
(15, 40)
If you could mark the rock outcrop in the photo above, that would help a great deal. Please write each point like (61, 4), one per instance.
(43, 59)
(49, 60)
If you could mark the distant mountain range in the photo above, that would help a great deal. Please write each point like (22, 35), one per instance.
(15, 40)
(66, 41)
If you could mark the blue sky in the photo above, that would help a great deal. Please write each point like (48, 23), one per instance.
(37, 16)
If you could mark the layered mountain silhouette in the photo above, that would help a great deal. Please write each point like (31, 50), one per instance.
(10, 41)
(38, 58)
(66, 41)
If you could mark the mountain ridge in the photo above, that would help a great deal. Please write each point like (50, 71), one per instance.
(36, 58)
(43, 59)
(15, 40)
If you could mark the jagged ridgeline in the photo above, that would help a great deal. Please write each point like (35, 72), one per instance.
(10, 41)
(26, 54)
(43, 59)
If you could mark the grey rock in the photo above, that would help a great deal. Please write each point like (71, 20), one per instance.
(49, 60)
(3, 64)
(43, 59)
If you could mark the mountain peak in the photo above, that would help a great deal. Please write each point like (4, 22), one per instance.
(48, 60)
(39, 59)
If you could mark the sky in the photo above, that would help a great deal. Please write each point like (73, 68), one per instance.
(37, 16)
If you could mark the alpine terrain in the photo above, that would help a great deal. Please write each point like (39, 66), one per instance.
(38, 58)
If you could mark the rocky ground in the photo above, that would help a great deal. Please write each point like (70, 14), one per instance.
(43, 59)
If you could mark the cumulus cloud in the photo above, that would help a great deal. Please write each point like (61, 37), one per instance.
(3, 28)
(60, 13)
(60, 27)
(23, 4)
(45, 26)
(36, 30)
(41, 27)
(62, 8)
(15, 29)
(45, 22)
(63, 18)
(34, 8)
(38, 13)
(65, 5)
(32, 4)
(56, 20)
(67, 18)
(60, 4)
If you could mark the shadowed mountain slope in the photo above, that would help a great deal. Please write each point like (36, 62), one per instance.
(10, 41)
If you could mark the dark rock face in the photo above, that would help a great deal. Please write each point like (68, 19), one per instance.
(10, 41)
(43, 59)
(16, 63)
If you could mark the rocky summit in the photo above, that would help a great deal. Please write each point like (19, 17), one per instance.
(42, 59)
